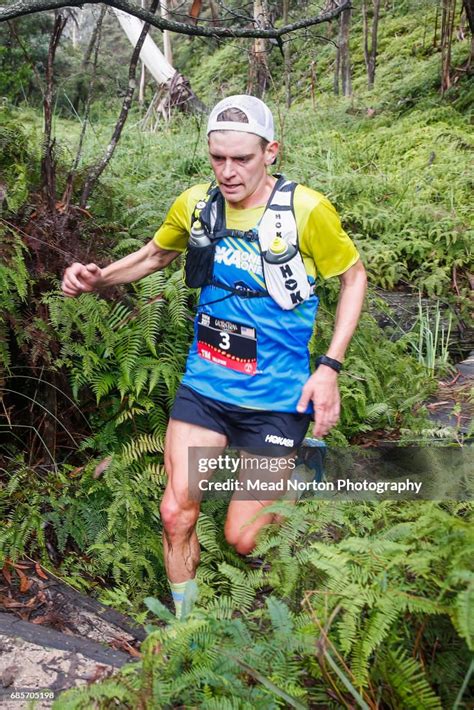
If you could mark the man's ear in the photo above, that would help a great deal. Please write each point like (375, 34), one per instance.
(271, 153)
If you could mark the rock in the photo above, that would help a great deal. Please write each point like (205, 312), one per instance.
(9, 675)
(466, 367)
(69, 639)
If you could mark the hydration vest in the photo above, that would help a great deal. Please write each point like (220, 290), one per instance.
(287, 283)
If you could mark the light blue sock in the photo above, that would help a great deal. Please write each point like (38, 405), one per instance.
(178, 591)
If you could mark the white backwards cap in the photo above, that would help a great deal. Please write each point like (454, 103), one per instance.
(259, 116)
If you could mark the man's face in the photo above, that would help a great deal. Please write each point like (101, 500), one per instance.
(239, 163)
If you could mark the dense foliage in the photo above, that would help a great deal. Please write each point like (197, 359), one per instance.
(364, 604)
(359, 612)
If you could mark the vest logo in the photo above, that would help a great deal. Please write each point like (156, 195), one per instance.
(274, 439)
(240, 259)
(278, 226)
(291, 284)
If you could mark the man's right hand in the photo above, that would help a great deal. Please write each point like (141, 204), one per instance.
(81, 278)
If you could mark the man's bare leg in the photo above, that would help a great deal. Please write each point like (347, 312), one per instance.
(241, 530)
(179, 514)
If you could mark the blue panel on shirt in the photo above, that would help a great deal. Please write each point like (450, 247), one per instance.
(282, 337)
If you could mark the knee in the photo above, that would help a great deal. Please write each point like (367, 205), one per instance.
(178, 519)
(242, 541)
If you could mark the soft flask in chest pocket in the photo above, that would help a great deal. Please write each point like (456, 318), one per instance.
(285, 275)
(199, 258)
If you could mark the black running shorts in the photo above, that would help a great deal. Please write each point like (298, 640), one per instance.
(276, 432)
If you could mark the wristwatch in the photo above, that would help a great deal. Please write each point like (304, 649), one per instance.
(330, 362)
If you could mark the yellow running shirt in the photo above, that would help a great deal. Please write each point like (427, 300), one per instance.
(249, 351)
(325, 247)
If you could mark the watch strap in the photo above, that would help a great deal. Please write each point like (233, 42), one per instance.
(330, 362)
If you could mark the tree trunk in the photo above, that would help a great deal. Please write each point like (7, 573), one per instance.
(469, 7)
(346, 72)
(287, 58)
(470, 60)
(435, 32)
(67, 195)
(142, 82)
(259, 74)
(141, 86)
(214, 12)
(167, 51)
(468, 14)
(81, 89)
(164, 74)
(447, 26)
(96, 170)
(178, 87)
(48, 163)
(342, 67)
(92, 42)
(370, 52)
(337, 71)
(153, 58)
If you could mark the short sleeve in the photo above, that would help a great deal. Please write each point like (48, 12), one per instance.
(321, 235)
(174, 232)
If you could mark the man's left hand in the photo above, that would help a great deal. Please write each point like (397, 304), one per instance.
(322, 390)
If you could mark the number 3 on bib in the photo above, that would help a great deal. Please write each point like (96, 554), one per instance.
(225, 340)
(234, 348)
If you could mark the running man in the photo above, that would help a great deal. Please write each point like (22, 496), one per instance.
(254, 244)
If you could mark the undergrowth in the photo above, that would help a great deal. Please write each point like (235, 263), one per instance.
(358, 613)
(360, 603)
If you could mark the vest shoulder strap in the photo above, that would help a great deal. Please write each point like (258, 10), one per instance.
(279, 218)
(210, 211)
(282, 197)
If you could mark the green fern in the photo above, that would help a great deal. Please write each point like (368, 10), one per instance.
(409, 687)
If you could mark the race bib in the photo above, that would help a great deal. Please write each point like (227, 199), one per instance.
(225, 343)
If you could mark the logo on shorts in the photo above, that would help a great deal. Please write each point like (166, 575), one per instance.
(273, 439)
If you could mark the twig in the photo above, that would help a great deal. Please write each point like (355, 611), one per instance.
(96, 171)
(455, 281)
(48, 175)
(70, 178)
(27, 57)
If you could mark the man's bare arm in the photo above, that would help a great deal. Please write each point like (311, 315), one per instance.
(81, 278)
(349, 306)
(322, 386)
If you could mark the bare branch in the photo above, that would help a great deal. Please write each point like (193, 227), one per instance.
(48, 170)
(245, 18)
(96, 171)
(97, 37)
(28, 7)
(27, 56)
